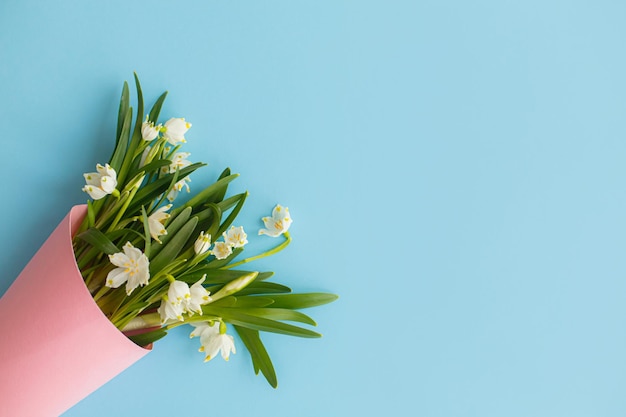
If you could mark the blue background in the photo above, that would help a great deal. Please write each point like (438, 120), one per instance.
(455, 171)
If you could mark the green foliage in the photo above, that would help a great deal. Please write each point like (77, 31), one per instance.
(146, 178)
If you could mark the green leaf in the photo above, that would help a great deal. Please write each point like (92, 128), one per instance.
(252, 302)
(219, 196)
(303, 300)
(156, 109)
(173, 247)
(233, 214)
(205, 195)
(124, 104)
(229, 301)
(218, 276)
(98, 240)
(278, 314)
(91, 216)
(258, 323)
(229, 202)
(146, 230)
(260, 358)
(139, 119)
(122, 144)
(264, 288)
(209, 220)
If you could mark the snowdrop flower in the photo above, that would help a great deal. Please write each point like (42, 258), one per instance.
(277, 224)
(203, 243)
(149, 132)
(156, 222)
(213, 339)
(177, 188)
(179, 161)
(178, 293)
(235, 237)
(132, 269)
(199, 297)
(175, 129)
(222, 250)
(100, 183)
(169, 311)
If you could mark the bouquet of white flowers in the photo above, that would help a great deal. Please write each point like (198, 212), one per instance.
(151, 265)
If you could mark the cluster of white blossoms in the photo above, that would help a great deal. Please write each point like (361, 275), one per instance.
(132, 265)
(213, 339)
(103, 182)
(235, 237)
(100, 183)
(132, 269)
(182, 299)
(173, 131)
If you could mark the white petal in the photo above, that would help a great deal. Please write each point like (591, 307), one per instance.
(168, 311)
(107, 184)
(116, 277)
(92, 178)
(178, 292)
(119, 259)
(94, 192)
(221, 250)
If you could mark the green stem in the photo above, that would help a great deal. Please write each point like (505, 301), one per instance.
(264, 254)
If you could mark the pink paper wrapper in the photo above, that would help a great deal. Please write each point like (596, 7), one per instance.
(56, 346)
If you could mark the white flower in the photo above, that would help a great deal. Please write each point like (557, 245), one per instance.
(100, 183)
(199, 297)
(235, 237)
(213, 340)
(203, 243)
(277, 224)
(170, 311)
(179, 161)
(156, 222)
(133, 269)
(222, 250)
(149, 132)
(178, 293)
(175, 129)
(178, 187)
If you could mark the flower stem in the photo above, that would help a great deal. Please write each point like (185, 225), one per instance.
(264, 254)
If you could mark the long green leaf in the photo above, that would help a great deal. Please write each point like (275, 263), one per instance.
(219, 276)
(205, 195)
(303, 300)
(264, 288)
(233, 214)
(122, 144)
(139, 119)
(258, 323)
(260, 358)
(124, 104)
(281, 314)
(98, 240)
(156, 109)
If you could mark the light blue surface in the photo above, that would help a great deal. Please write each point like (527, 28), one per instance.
(455, 171)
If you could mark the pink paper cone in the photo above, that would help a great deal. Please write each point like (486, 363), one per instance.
(56, 346)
